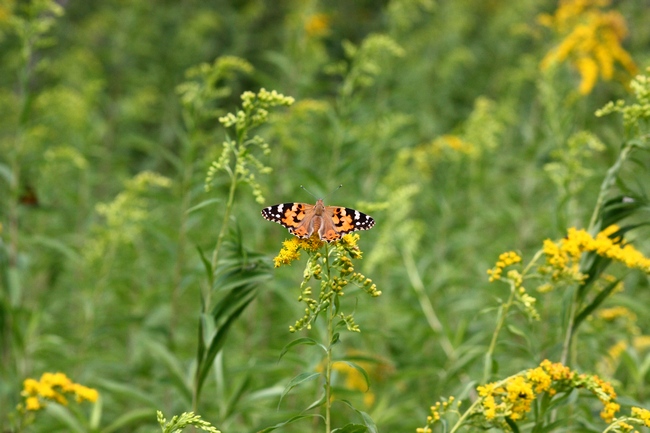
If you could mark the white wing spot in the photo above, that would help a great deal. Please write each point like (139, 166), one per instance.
(357, 215)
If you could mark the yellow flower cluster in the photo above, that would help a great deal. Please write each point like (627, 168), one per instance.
(290, 250)
(53, 386)
(512, 397)
(642, 414)
(564, 256)
(592, 40)
(505, 259)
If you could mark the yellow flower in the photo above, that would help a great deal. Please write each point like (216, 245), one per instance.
(53, 386)
(540, 378)
(489, 407)
(609, 411)
(520, 394)
(290, 251)
(557, 370)
(317, 25)
(564, 256)
(591, 40)
(32, 403)
(642, 414)
(84, 393)
(505, 259)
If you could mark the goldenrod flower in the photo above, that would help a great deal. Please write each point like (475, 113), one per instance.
(505, 259)
(564, 256)
(591, 40)
(642, 414)
(512, 397)
(290, 250)
(609, 411)
(53, 386)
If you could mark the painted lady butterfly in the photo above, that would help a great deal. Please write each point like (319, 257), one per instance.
(330, 222)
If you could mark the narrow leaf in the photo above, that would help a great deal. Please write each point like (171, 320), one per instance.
(301, 341)
(298, 380)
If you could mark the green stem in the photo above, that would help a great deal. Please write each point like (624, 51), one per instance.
(501, 318)
(467, 413)
(608, 182)
(566, 345)
(207, 294)
(330, 336)
(222, 232)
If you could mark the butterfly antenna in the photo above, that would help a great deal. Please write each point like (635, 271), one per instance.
(337, 188)
(308, 192)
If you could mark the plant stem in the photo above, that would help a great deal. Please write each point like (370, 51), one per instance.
(328, 360)
(222, 232)
(608, 182)
(501, 318)
(566, 345)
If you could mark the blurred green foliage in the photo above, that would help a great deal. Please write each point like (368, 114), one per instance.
(435, 116)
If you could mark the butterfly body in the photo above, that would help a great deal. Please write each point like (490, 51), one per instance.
(330, 222)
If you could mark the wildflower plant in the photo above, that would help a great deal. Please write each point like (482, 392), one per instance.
(574, 264)
(536, 392)
(240, 163)
(329, 267)
(591, 41)
(50, 388)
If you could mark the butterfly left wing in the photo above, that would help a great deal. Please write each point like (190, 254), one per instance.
(293, 216)
(344, 220)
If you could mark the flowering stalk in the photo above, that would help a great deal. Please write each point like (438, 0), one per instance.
(501, 404)
(239, 162)
(332, 266)
(236, 156)
(518, 296)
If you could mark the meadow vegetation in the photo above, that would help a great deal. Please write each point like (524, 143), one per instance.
(501, 147)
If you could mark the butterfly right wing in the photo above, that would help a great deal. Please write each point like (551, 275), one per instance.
(294, 216)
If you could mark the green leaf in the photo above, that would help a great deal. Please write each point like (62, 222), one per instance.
(512, 425)
(216, 345)
(206, 265)
(360, 370)
(301, 341)
(298, 380)
(316, 403)
(599, 299)
(203, 204)
(367, 419)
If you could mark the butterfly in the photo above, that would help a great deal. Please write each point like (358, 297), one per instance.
(330, 222)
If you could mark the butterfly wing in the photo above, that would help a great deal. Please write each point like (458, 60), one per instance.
(342, 220)
(294, 216)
